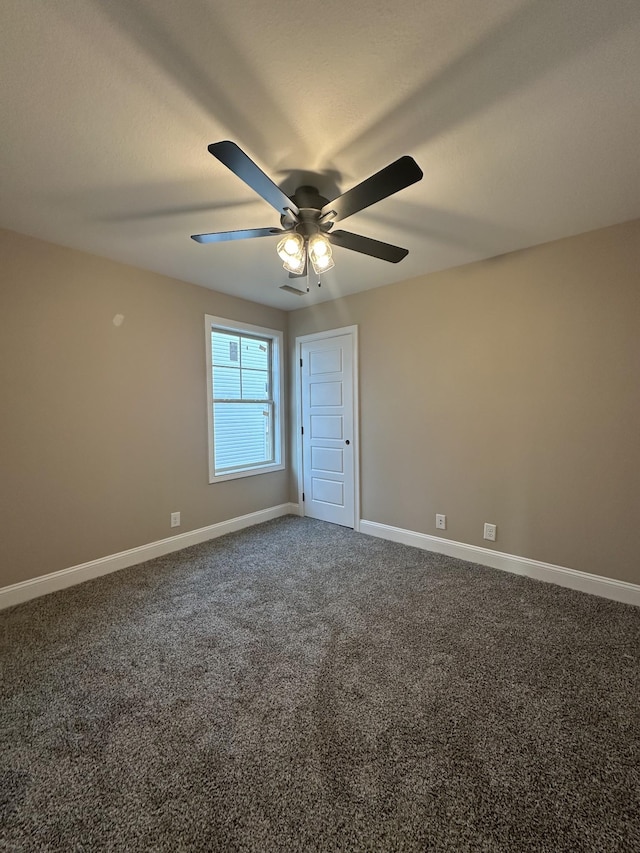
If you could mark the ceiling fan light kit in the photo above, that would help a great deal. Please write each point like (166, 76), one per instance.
(307, 218)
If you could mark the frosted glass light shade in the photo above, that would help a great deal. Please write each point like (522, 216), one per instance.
(320, 253)
(292, 251)
(295, 264)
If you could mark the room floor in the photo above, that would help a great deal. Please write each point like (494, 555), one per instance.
(299, 686)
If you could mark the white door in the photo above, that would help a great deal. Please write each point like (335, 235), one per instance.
(328, 442)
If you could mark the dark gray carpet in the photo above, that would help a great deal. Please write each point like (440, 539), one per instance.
(301, 687)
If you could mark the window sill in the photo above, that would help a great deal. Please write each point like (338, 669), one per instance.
(247, 472)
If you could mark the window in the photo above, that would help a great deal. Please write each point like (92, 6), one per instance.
(244, 389)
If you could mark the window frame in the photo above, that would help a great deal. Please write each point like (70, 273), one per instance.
(276, 338)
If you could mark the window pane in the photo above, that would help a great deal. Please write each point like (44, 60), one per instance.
(226, 383)
(255, 353)
(243, 435)
(225, 348)
(255, 385)
(245, 395)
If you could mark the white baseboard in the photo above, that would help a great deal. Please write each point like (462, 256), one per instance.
(616, 590)
(25, 590)
(628, 593)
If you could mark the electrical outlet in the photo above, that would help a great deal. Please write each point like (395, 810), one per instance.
(490, 532)
(175, 519)
(441, 521)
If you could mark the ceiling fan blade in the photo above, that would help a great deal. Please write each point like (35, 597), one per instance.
(223, 236)
(243, 166)
(394, 177)
(367, 246)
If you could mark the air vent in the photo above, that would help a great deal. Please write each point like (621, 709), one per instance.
(295, 290)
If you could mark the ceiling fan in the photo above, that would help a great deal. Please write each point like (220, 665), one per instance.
(307, 218)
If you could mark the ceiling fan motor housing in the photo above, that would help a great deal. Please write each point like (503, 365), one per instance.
(309, 203)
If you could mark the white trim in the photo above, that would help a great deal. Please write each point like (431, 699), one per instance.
(26, 590)
(318, 336)
(277, 377)
(628, 593)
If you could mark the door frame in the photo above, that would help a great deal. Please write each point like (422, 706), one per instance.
(318, 336)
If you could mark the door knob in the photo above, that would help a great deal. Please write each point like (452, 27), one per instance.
(347, 441)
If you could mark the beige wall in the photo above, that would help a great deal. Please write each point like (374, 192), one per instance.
(504, 391)
(103, 429)
(507, 391)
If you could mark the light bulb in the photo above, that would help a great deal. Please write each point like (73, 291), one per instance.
(295, 264)
(319, 245)
(291, 247)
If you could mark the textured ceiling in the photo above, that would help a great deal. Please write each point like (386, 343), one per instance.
(524, 117)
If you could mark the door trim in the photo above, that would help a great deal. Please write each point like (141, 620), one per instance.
(318, 336)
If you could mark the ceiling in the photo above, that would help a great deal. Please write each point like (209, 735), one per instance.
(524, 117)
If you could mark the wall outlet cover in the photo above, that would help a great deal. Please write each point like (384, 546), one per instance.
(441, 521)
(490, 532)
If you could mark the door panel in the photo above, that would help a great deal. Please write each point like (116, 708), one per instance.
(325, 361)
(326, 427)
(327, 439)
(325, 393)
(327, 491)
(327, 459)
